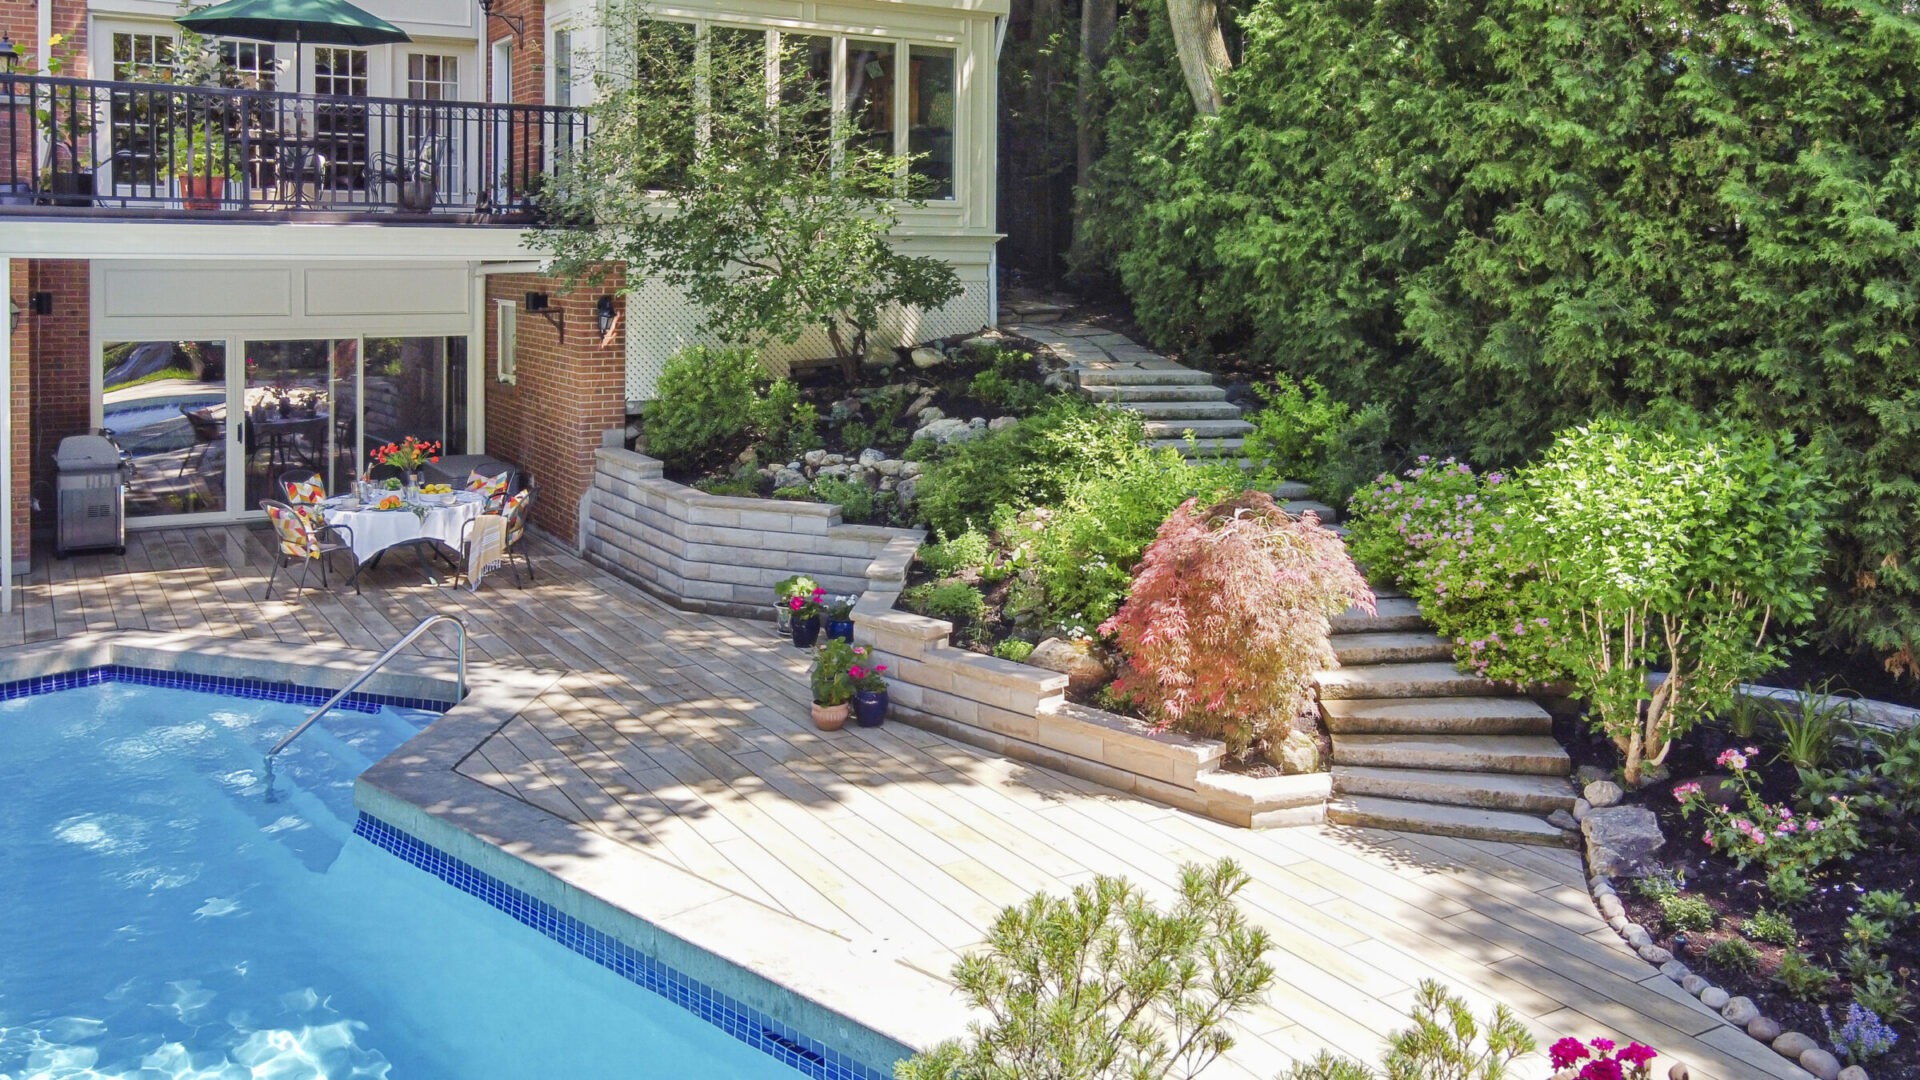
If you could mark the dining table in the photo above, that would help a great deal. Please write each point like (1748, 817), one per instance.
(422, 522)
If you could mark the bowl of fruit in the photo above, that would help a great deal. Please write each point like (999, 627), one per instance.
(391, 502)
(437, 494)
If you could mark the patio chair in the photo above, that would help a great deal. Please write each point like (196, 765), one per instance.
(483, 547)
(381, 473)
(207, 437)
(495, 485)
(519, 506)
(300, 538)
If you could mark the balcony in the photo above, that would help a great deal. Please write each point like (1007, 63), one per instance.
(81, 148)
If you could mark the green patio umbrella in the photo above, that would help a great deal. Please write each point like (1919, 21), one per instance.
(322, 22)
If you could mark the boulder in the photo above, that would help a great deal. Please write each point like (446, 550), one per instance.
(1654, 954)
(880, 356)
(1609, 906)
(1294, 755)
(1853, 1072)
(833, 459)
(1674, 969)
(910, 469)
(888, 483)
(1059, 381)
(1085, 671)
(1714, 998)
(929, 414)
(833, 472)
(924, 358)
(1821, 1064)
(1693, 984)
(1740, 1011)
(1765, 1029)
(919, 404)
(1637, 936)
(906, 490)
(1560, 819)
(788, 478)
(945, 431)
(1792, 1044)
(978, 423)
(815, 458)
(1000, 422)
(888, 466)
(1621, 840)
(1581, 808)
(1587, 774)
(1679, 1072)
(871, 457)
(1603, 793)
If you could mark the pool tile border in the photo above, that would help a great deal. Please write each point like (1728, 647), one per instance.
(756, 1029)
(255, 689)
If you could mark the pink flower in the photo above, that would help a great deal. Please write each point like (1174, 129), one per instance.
(1603, 1045)
(1567, 1051)
(1686, 791)
(1638, 1054)
(857, 671)
(1732, 759)
(796, 603)
(1813, 825)
(879, 667)
(1603, 1069)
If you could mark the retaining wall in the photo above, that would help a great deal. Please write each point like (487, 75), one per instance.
(719, 553)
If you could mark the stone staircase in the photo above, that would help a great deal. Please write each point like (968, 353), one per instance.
(1421, 747)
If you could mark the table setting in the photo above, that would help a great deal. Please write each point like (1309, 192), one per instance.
(382, 518)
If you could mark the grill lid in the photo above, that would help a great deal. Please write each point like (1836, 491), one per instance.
(87, 452)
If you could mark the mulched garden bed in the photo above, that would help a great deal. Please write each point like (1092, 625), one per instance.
(1735, 895)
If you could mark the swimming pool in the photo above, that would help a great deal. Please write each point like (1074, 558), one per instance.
(171, 914)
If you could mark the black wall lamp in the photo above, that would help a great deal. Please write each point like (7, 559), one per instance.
(514, 22)
(9, 52)
(542, 304)
(603, 315)
(40, 303)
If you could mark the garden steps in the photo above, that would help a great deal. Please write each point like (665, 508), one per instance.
(1436, 716)
(1391, 613)
(1390, 647)
(1135, 374)
(1434, 678)
(1151, 411)
(1466, 822)
(1200, 429)
(1128, 393)
(1522, 792)
(1327, 514)
(1202, 448)
(1534, 755)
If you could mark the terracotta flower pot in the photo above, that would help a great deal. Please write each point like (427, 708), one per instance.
(202, 192)
(830, 717)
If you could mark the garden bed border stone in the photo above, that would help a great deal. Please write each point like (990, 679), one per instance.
(1022, 712)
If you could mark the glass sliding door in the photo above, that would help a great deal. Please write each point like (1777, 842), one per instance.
(289, 395)
(166, 404)
(414, 386)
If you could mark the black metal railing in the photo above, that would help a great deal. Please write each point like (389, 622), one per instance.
(71, 144)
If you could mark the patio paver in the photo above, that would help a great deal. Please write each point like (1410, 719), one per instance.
(686, 737)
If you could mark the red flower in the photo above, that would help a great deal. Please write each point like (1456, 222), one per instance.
(1603, 1069)
(1567, 1051)
(1638, 1054)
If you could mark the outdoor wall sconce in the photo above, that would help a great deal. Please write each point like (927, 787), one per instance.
(541, 304)
(40, 303)
(603, 315)
(13, 315)
(514, 22)
(9, 54)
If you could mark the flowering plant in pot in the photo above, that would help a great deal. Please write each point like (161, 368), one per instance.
(838, 612)
(786, 590)
(832, 684)
(805, 614)
(869, 688)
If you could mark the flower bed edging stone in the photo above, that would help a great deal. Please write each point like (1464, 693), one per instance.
(1741, 1012)
(1022, 711)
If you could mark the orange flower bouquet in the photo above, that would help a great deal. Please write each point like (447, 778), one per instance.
(408, 454)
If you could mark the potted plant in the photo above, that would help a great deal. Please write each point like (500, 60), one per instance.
(805, 614)
(869, 688)
(201, 162)
(839, 616)
(783, 593)
(832, 685)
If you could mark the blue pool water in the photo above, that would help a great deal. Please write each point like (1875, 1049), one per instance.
(166, 914)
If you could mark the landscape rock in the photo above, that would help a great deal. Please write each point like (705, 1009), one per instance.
(1295, 755)
(1587, 774)
(907, 489)
(1085, 671)
(888, 483)
(1674, 969)
(871, 457)
(1637, 936)
(788, 478)
(1821, 1064)
(1603, 793)
(833, 472)
(945, 431)
(833, 459)
(978, 423)
(929, 414)
(919, 404)
(1714, 998)
(1560, 819)
(1581, 808)
(880, 356)
(815, 458)
(985, 343)
(1740, 1011)
(888, 466)
(1793, 1044)
(924, 358)
(1679, 1072)
(910, 469)
(1764, 1028)
(1693, 984)
(1622, 839)
(1059, 381)
(1853, 1072)
(1000, 422)
(1654, 954)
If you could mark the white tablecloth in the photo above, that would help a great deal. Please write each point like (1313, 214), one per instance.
(374, 531)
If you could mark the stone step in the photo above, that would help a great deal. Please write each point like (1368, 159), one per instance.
(1154, 392)
(1432, 678)
(1390, 647)
(1436, 716)
(1390, 613)
(1201, 448)
(1180, 410)
(1141, 376)
(1200, 429)
(1471, 823)
(1534, 755)
(1286, 490)
(1489, 791)
(1327, 514)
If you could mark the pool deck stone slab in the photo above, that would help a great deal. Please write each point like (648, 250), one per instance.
(662, 763)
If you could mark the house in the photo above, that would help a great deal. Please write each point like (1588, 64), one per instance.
(325, 250)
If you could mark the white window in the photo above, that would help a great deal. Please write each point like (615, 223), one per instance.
(563, 67)
(433, 78)
(253, 63)
(506, 340)
(141, 57)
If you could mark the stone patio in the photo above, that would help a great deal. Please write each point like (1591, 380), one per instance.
(685, 738)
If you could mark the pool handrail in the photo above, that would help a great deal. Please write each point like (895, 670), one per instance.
(459, 686)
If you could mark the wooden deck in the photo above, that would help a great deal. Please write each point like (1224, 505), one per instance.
(687, 737)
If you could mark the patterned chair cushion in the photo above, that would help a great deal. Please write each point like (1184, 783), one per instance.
(295, 534)
(305, 493)
(516, 515)
(491, 486)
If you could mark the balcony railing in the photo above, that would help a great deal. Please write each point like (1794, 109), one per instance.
(86, 147)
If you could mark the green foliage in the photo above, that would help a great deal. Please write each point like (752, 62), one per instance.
(946, 600)
(952, 555)
(1771, 927)
(1884, 792)
(1807, 732)
(829, 679)
(1660, 883)
(854, 499)
(1032, 463)
(1013, 649)
(707, 399)
(728, 485)
(1882, 994)
(1305, 434)
(1101, 985)
(1012, 394)
(1801, 978)
(747, 201)
(1444, 1043)
(787, 426)
(1733, 954)
(1889, 906)
(1688, 913)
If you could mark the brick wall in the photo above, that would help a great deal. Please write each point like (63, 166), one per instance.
(566, 394)
(529, 52)
(57, 346)
(22, 414)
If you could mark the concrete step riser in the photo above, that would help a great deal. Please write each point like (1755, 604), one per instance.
(1202, 448)
(1356, 653)
(1370, 624)
(1145, 392)
(1438, 725)
(1200, 429)
(1365, 812)
(1167, 376)
(1179, 411)
(1466, 686)
(1511, 764)
(1458, 789)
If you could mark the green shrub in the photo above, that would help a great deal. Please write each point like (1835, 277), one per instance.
(1444, 1042)
(1030, 463)
(1661, 883)
(1303, 433)
(1882, 994)
(1734, 954)
(854, 499)
(787, 426)
(952, 555)
(1888, 906)
(1689, 913)
(1884, 791)
(728, 485)
(1013, 649)
(1801, 978)
(1771, 927)
(1101, 985)
(946, 600)
(706, 401)
(1002, 391)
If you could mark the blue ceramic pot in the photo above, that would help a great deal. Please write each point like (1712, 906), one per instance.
(842, 629)
(806, 631)
(870, 707)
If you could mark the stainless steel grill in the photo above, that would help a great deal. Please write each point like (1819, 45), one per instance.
(91, 495)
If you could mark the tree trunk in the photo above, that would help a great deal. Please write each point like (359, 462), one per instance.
(1097, 21)
(1202, 48)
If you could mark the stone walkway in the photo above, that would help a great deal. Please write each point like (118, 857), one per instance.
(686, 738)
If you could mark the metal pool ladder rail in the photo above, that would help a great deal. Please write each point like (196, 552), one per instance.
(459, 686)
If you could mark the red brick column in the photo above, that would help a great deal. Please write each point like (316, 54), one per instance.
(529, 50)
(22, 390)
(59, 356)
(566, 393)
